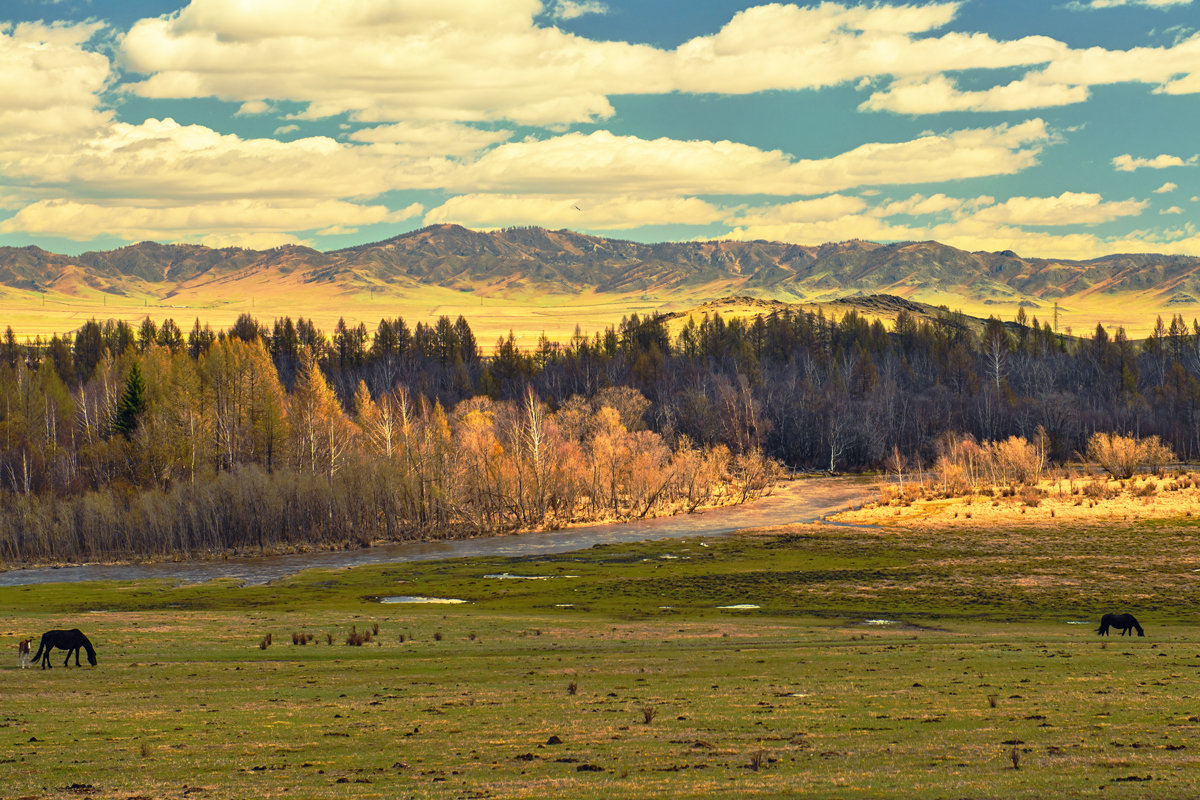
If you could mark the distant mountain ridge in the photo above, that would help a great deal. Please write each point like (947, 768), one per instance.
(564, 262)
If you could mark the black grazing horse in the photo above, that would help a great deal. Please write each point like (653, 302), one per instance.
(1122, 622)
(70, 641)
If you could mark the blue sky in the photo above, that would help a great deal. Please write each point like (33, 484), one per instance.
(1061, 129)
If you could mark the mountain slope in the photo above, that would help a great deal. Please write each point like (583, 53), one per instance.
(535, 260)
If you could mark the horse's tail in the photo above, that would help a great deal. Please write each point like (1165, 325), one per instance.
(41, 647)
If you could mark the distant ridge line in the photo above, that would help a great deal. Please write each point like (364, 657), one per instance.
(537, 259)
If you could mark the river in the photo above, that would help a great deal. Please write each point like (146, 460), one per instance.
(795, 501)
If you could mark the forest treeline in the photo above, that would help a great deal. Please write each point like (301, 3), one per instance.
(123, 443)
(144, 439)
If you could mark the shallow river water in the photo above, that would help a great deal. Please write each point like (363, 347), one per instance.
(796, 501)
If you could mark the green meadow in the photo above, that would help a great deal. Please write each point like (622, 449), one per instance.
(877, 664)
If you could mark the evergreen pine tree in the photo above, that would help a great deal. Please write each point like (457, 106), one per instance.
(132, 403)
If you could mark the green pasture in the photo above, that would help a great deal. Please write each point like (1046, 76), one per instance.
(877, 664)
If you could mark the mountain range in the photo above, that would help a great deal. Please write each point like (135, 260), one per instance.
(535, 263)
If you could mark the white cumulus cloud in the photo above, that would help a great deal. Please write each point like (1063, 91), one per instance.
(389, 60)
(431, 138)
(1094, 5)
(598, 212)
(1127, 163)
(1068, 208)
(938, 93)
(572, 9)
(51, 83)
(248, 223)
(602, 161)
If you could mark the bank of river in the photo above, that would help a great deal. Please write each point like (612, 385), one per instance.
(795, 501)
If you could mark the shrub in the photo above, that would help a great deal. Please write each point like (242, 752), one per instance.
(1031, 496)
(1147, 489)
(1122, 456)
(964, 463)
(953, 477)
(1016, 459)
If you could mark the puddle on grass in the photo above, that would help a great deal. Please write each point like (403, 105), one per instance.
(410, 598)
(1080, 622)
(506, 576)
(740, 607)
(879, 622)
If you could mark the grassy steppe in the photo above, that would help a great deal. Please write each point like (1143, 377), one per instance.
(528, 314)
(491, 316)
(978, 658)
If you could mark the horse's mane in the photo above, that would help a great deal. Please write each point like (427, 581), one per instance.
(86, 642)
